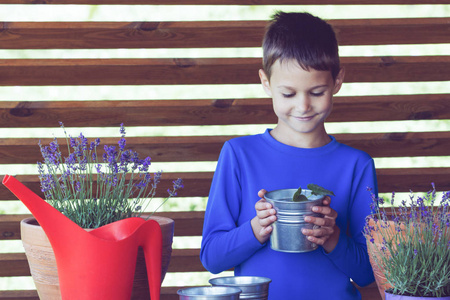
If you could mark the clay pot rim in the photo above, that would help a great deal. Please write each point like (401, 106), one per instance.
(31, 221)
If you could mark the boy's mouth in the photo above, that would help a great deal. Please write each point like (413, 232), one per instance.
(305, 118)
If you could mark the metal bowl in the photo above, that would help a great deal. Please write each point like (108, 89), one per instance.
(253, 287)
(209, 293)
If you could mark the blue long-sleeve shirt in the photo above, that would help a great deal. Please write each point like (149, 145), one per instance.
(248, 164)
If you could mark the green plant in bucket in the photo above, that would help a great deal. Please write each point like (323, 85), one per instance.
(315, 190)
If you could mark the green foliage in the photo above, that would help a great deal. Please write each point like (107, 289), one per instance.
(298, 196)
(318, 190)
(315, 190)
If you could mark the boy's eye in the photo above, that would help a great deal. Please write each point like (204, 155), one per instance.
(317, 94)
(288, 95)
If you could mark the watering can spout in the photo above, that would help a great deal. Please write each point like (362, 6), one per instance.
(97, 264)
(40, 209)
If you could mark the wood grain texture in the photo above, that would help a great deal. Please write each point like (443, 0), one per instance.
(207, 34)
(224, 2)
(182, 71)
(207, 148)
(167, 293)
(182, 260)
(187, 223)
(38, 72)
(197, 184)
(19, 295)
(23, 114)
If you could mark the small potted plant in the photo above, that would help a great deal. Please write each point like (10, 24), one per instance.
(94, 191)
(292, 206)
(409, 246)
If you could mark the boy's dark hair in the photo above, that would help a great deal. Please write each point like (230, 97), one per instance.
(301, 36)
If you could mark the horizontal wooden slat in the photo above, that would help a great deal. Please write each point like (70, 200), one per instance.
(207, 148)
(390, 108)
(225, 2)
(198, 184)
(191, 223)
(203, 70)
(415, 179)
(182, 260)
(398, 144)
(170, 293)
(10, 226)
(22, 114)
(92, 35)
(369, 292)
(13, 264)
(187, 223)
(19, 295)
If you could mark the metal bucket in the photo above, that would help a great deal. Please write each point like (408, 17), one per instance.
(253, 287)
(287, 233)
(209, 293)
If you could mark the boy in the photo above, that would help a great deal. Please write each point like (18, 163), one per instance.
(301, 73)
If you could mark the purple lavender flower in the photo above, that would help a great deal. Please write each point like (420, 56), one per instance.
(426, 228)
(177, 184)
(84, 142)
(73, 177)
(78, 186)
(73, 142)
(122, 143)
(156, 179)
(122, 130)
(94, 144)
(40, 168)
(145, 164)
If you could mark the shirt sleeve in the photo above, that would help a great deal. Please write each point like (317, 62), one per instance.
(350, 254)
(224, 244)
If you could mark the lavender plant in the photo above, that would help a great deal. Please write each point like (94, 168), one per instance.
(411, 244)
(124, 185)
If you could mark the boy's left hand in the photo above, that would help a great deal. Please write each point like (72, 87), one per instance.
(328, 234)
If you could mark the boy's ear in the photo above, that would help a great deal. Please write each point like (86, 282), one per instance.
(265, 82)
(339, 80)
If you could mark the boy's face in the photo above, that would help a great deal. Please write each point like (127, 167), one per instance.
(302, 100)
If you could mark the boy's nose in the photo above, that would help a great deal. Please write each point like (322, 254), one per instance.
(303, 104)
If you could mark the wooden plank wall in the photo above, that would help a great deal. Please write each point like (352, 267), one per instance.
(197, 125)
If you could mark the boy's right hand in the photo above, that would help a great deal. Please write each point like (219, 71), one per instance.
(265, 216)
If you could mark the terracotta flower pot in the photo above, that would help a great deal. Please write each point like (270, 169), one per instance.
(42, 262)
(401, 297)
(374, 249)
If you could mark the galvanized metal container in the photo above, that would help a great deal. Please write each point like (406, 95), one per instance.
(253, 287)
(287, 233)
(209, 293)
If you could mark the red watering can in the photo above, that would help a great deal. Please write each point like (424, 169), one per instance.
(97, 264)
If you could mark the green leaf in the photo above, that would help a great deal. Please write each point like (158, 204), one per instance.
(298, 197)
(318, 190)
